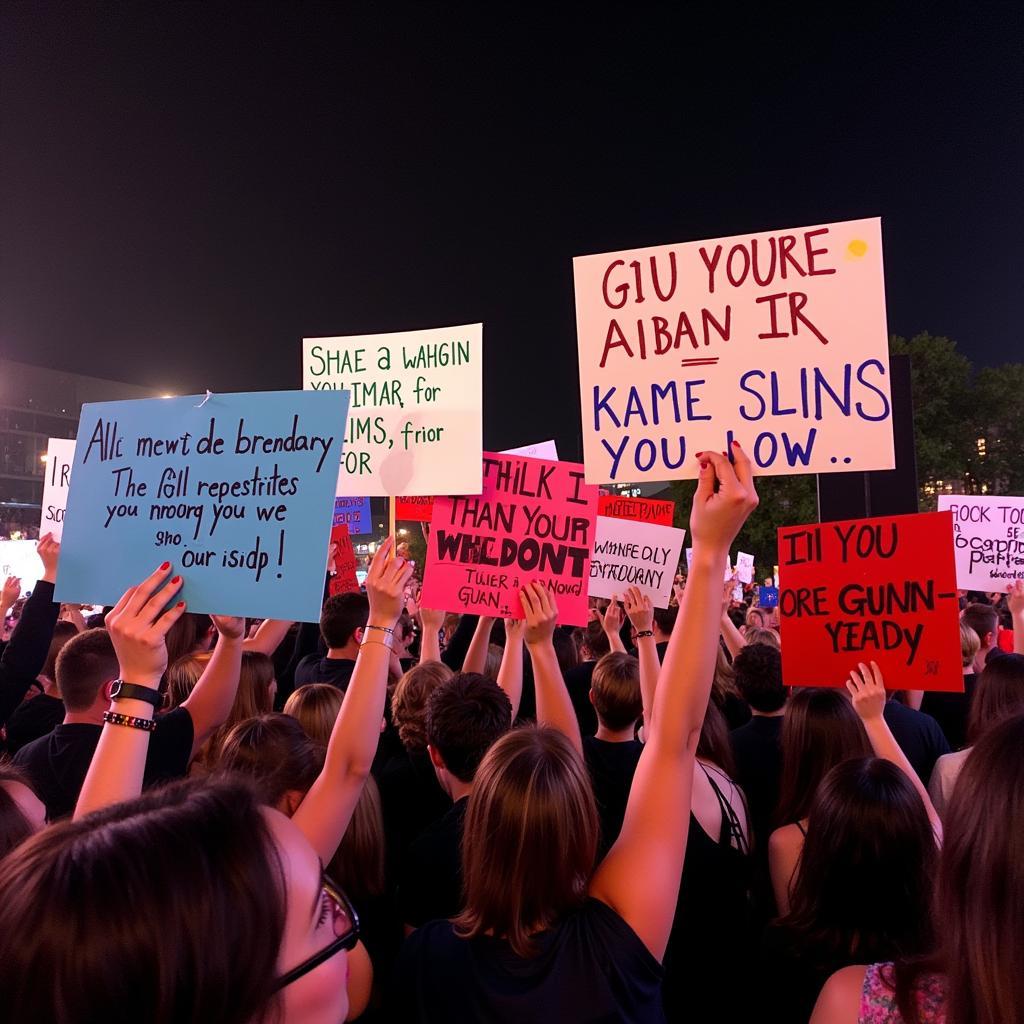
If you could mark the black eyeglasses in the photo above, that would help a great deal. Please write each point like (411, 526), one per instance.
(346, 932)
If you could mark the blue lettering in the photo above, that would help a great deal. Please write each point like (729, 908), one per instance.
(602, 404)
(881, 394)
(616, 455)
(750, 391)
(692, 400)
(634, 407)
(795, 453)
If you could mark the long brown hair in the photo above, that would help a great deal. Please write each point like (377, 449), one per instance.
(530, 838)
(252, 698)
(15, 828)
(713, 744)
(820, 730)
(980, 890)
(998, 695)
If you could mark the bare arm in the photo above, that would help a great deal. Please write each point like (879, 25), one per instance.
(430, 641)
(652, 844)
(327, 808)
(510, 675)
(476, 656)
(641, 614)
(611, 623)
(269, 636)
(213, 696)
(1015, 600)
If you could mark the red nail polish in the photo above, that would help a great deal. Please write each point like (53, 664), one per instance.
(175, 579)
(165, 566)
(735, 444)
(181, 604)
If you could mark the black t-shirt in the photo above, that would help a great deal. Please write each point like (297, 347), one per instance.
(611, 767)
(918, 735)
(32, 719)
(788, 978)
(431, 884)
(314, 669)
(758, 755)
(577, 682)
(591, 968)
(57, 764)
(950, 710)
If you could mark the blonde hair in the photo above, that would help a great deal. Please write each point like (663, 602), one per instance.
(182, 677)
(252, 698)
(970, 644)
(409, 701)
(763, 635)
(315, 707)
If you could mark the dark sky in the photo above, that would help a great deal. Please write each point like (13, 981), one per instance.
(188, 190)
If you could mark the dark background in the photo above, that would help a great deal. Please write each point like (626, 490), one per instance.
(186, 191)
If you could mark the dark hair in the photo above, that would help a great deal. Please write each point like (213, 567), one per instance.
(341, 616)
(63, 631)
(275, 752)
(758, 669)
(252, 698)
(999, 694)
(713, 744)
(980, 889)
(465, 715)
(15, 828)
(819, 730)
(615, 690)
(982, 618)
(87, 933)
(665, 619)
(595, 639)
(181, 638)
(84, 664)
(862, 889)
(566, 651)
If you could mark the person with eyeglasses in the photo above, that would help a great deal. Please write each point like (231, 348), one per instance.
(194, 902)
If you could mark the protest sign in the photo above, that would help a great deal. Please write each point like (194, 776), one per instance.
(768, 597)
(880, 589)
(415, 422)
(534, 521)
(988, 538)
(235, 491)
(60, 455)
(641, 510)
(744, 567)
(776, 339)
(343, 565)
(354, 513)
(19, 558)
(542, 450)
(415, 510)
(632, 554)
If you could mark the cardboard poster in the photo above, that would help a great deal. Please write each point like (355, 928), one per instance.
(744, 567)
(881, 589)
(534, 521)
(776, 339)
(415, 425)
(235, 491)
(414, 510)
(343, 566)
(631, 554)
(988, 538)
(768, 597)
(640, 510)
(354, 513)
(19, 558)
(60, 456)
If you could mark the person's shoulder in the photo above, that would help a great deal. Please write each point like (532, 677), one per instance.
(840, 999)
(603, 928)
(786, 838)
(31, 752)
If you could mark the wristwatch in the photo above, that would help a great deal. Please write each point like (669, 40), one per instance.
(129, 691)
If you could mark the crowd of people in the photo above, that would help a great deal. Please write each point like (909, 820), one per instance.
(397, 814)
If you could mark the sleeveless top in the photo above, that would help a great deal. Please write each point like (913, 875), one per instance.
(878, 1000)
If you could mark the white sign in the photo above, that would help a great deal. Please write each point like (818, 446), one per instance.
(631, 554)
(542, 450)
(60, 456)
(415, 418)
(744, 567)
(988, 538)
(19, 558)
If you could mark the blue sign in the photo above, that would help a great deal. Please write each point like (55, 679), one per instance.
(354, 513)
(234, 491)
(768, 597)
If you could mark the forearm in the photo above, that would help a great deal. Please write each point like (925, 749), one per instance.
(213, 696)
(269, 636)
(615, 641)
(30, 642)
(1018, 632)
(884, 744)
(510, 675)
(430, 644)
(476, 656)
(554, 706)
(650, 666)
(733, 638)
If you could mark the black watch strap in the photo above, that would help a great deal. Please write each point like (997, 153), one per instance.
(129, 691)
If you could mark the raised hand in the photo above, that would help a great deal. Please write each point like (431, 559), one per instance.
(611, 620)
(385, 584)
(725, 497)
(49, 553)
(229, 626)
(1015, 597)
(867, 688)
(11, 592)
(139, 623)
(515, 631)
(541, 613)
(639, 609)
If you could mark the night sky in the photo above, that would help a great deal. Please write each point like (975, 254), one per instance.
(188, 190)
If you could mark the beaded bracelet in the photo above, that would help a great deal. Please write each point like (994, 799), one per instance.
(114, 718)
(384, 629)
(644, 633)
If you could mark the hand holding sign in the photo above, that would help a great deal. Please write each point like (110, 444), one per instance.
(639, 609)
(49, 554)
(385, 585)
(867, 688)
(541, 614)
(725, 497)
(11, 592)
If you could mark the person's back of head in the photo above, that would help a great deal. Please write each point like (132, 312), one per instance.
(254, 696)
(970, 644)
(665, 621)
(615, 691)
(315, 707)
(182, 637)
(22, 813)
(85, 664)
(409, 702)
(182, 676)
(341, 616)
(566, 650)
(530, 838)
(864, 882)
(62, 632)
(763, 635)
(465, 715)
(594, 643)
(982, 618)
(758, 669)
(820, 730)
(999, 695)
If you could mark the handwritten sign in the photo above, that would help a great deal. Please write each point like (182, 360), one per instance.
(19, 558)
(640, 510)
(234, 491)
(632, 554)
(354, 513)
(343, 568)
(534, 521)
(879, 589)
(776, 339)
(415, 510)
(744, 567)
(60, 456)
(415, 424)
(988, 537)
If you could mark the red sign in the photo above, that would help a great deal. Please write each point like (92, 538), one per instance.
(343, 567)
(641, 510)
(879, 590)
(414, 510)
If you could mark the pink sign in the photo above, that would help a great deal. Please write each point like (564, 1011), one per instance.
(534, 521)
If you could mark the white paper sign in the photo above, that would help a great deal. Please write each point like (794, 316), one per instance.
(415, 418)
(630, 554)
(744, 567)
(988, 537)
(542, 450)
(19, 558)
(60, 456)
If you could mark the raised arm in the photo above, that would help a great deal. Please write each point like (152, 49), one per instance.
(554, 706)
(640, 876)
(9, 594)
(611, 623)
(325, 812)
(510, 674)
(867, 688)
(268, 637)
(213, 696)
(138, 626)
(641, 614)
(1015, 600)
(430, 639)
(476, 656)
(733, 638)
